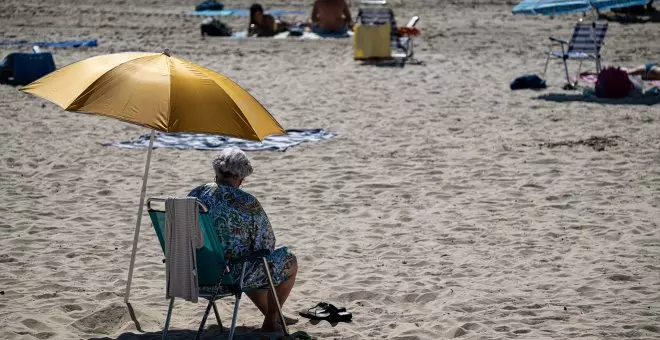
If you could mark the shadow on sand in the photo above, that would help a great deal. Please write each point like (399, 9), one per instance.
(212, 332)
(566, 98)
(632, 17)
(391, 63)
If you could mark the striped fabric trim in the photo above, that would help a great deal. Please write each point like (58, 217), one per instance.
(587, 39)
(376, 16)
(574, 55)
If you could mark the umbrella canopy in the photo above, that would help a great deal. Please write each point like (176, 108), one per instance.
(160, 92)
(553, 7)
(157, 91)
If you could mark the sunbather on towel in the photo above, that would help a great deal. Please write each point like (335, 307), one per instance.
(242, 224)
(649, 71)
(331, 17)
(264, 25)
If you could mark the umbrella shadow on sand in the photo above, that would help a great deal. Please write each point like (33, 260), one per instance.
(633, 15)
(632, 19)
(566, 98)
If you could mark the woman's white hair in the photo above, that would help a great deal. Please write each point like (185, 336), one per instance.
(233, 162)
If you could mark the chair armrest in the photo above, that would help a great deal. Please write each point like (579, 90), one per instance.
(257, 255)
(413, 21)
(561, 41)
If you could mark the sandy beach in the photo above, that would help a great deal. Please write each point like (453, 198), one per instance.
(447, 206)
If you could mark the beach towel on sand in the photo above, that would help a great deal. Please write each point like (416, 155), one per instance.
(294, 33)
(239, 12)
(60, 44)
(182, 236)
(214, 142)
(592, 78)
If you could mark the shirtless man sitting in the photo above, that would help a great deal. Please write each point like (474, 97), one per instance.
(331, 17)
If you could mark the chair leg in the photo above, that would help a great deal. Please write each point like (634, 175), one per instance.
(217, 316)
(234, 316)
(568, 79)
(580, 67)
(547, 60)
(167, 318)
(206, 314)
(277, 301)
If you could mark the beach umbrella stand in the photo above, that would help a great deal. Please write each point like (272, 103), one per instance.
(138, 223)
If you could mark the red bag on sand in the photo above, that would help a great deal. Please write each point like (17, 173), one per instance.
(613, 83)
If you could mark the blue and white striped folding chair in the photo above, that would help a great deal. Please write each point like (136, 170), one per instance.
(586, 43)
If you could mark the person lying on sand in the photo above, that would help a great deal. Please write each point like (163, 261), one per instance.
(649, 71)
(264, 25)
(331, 17)
(242, 223)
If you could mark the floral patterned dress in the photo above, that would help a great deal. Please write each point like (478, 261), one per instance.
(242, 225)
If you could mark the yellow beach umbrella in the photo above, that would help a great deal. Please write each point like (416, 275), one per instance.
(157, 91)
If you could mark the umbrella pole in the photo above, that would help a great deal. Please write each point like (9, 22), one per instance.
(139, 216)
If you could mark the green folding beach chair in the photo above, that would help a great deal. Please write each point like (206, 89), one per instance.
(213, 268)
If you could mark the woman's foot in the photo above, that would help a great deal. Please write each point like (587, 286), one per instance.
(271, 326)
(290, 321)
(273, 323)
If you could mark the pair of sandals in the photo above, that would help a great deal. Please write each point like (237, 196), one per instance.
(327, 311)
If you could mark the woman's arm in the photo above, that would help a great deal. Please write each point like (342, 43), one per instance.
(269, 24)
(347, 15)
(315, 13)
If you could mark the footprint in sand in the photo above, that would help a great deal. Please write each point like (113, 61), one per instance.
(71, 308)
(621, 277)
(44, 335)
(35, 325)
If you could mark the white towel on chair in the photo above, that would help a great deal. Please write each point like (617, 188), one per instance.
(182, 236)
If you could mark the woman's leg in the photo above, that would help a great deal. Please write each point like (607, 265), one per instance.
(264, 300)
(260, 299)
(637, 71)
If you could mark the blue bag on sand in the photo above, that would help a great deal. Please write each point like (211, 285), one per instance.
(528, 81)
(210, 5)
(24, 68)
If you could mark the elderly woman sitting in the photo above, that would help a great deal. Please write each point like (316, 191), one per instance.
(242, 224)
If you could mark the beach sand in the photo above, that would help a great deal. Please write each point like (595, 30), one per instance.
(441, 210)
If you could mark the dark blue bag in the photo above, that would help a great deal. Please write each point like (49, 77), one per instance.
(210, 5)
(24, 68)
(528, 81)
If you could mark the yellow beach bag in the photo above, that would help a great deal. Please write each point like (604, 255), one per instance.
(371, 41)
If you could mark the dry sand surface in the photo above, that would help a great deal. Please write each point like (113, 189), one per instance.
(441, 210)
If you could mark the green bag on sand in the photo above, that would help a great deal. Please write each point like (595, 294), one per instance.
(299, 335)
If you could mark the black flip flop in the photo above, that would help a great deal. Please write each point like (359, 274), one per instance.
(339, 314)
(326, 311)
